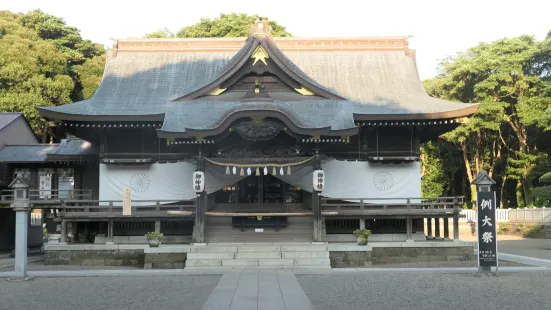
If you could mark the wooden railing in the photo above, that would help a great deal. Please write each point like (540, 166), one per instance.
(436, 206)
(48, 195)
(94, 209)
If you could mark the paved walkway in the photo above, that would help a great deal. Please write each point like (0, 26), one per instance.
(260, 289)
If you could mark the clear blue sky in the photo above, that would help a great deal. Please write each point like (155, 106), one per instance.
(440, 28)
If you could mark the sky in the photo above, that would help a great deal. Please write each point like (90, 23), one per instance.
(439, 28)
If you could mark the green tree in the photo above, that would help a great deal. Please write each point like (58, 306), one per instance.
(68, 40)
(510, 78)
(33, 72)
(228, 25)
(160, 34)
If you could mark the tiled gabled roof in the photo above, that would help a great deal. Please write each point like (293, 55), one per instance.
(377, 77)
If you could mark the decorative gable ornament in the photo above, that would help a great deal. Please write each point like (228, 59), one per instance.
(199, 181)
(318, 180)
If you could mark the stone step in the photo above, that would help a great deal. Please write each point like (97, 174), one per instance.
(257, 255)
(203, 263)
(275, 262)
(305, 254)
(303, 248)
(311, 262)
(213, 255)
(259, 248)
(214, 249)
(239, 262)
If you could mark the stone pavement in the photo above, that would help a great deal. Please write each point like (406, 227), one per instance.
(258, 289)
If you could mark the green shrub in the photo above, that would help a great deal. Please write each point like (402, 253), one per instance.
(524, 230)
(153, 235)
(362, 232)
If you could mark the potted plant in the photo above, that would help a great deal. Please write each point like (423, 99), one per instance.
(362, 235)
(154, 238)
(45, 234)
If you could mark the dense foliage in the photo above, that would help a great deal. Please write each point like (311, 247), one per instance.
(44, 62)
(227, 25)
(510, 134)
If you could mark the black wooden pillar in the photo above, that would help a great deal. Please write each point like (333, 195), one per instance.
(316, 208)
(456, 219)
(437, 229)
(200, 205)
(429, 228)
(446, 229)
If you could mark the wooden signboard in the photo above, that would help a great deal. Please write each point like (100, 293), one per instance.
(487, 237)
(127, 201)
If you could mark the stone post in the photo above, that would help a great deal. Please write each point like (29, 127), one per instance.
(63, 239)
(409, 227)
(110, 224)
(456, 227)
(21, 207)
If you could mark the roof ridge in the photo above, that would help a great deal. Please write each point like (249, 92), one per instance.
(390, 43)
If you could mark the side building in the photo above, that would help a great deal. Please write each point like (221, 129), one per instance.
(257, 116)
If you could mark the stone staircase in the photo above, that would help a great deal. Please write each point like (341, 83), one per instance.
(278, 256)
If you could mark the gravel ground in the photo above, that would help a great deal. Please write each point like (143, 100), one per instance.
(132, 292)
(428, 291)
(39, 266)
(472, 263)
(540, 248)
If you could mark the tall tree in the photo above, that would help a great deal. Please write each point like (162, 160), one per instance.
(511, 79)
(33, 72)
(68, 41)
(228, 25)
(160, 34)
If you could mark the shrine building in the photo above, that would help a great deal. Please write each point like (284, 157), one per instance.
(256, 139)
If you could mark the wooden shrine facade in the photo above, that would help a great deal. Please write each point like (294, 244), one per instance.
(255, 110)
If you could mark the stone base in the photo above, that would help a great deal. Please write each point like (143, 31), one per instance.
(350, 259)
(407, 252)
(382, 255)
(120, 257)
(165, 260)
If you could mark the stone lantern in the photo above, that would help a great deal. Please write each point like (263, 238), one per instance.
(21, 207)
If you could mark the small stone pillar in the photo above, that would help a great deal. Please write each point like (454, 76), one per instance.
(21, 207)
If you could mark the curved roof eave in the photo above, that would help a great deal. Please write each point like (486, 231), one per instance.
(225, 124)
(463, 112)
(61, 116)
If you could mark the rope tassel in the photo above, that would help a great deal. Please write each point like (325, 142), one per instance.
(241, 173)
(234, 170)
(274, 172)
(288, 170)
(227, 169)
(257, 171)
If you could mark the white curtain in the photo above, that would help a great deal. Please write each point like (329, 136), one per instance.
(170, 181)
(351, 179)
(347, 180)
